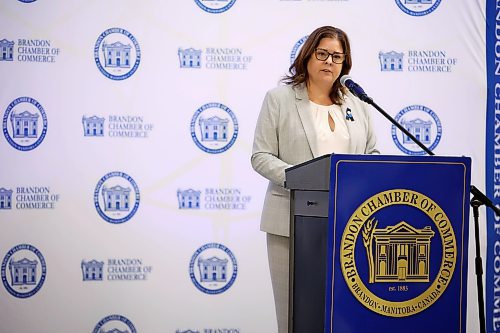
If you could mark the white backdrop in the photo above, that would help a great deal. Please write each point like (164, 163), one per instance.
(48, 178)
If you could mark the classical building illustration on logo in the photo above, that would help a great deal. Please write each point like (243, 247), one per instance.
(93, 126)
(189, 199)
(5, 198)
(213, 268)
(214, 128)
(215, 6)
(92, 270)
(418, 7)
(117, 54)
(25, 123)
(23, 271)
(398, 253)
(116, 197)
(418, 128)
(296, 48)
(391, 61)
(6, 50)
(189, 58)
(115, 324)
(422, 123)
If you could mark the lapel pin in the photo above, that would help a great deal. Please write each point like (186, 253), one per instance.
(348, 115)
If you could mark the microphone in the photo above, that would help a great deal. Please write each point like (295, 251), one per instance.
(355, 89)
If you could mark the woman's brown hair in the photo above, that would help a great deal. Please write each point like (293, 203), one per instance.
(298, 70)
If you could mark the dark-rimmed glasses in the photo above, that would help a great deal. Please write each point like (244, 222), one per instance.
(322, 55)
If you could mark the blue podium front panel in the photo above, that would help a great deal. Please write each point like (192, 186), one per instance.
(397, 257)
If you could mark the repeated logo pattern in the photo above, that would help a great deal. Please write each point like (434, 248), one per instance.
(423, 124)
(214, 128)
(213, 268)
(117, 54)
(25, 123)
(23, 271)
(116, 197)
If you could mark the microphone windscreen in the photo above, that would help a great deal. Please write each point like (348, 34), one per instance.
(343, 80)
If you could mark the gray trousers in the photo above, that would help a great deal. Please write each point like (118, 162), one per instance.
(278, 256)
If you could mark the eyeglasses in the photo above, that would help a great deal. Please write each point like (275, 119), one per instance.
(322, 55)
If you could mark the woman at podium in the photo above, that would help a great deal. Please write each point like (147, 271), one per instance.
(310, 115)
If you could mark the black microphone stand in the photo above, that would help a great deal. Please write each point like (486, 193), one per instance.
(478, 199)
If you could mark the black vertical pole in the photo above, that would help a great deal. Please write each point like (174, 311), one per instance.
(475, 203)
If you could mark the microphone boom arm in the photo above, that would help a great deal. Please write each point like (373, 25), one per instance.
(401, 128)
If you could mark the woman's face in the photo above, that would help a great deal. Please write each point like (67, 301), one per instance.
(325, 72)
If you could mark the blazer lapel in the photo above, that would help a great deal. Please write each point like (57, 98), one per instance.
(303, 108)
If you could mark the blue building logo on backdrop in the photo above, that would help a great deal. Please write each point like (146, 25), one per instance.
(214, 128)
(430, 61)
(118, 126)
(117, 54)
(25, 123)
(213, 199)
(296, 48)
(27, 1)
(188, 199)
(391, 61)
(92, 270)
(215, 6)
(93, 126)
(189, 58)
(213, 268)
(422, 123)
(418, 7)
(116, 197)
(29, 50)
(6, 50)
(5, 198)
(23, 271)
(115, 269)
(115, 324)
(217, 58)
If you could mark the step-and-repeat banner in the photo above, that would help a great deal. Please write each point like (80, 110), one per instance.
(127, 199)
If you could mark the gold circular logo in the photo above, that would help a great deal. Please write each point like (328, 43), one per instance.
(400, 254)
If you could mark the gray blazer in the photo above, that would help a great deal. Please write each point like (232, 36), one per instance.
(284, 136)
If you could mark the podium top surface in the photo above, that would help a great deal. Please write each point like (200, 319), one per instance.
(314, 175)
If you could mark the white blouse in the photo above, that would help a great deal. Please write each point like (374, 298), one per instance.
(329, 141)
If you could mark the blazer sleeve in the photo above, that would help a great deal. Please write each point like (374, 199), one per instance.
(265, 152)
